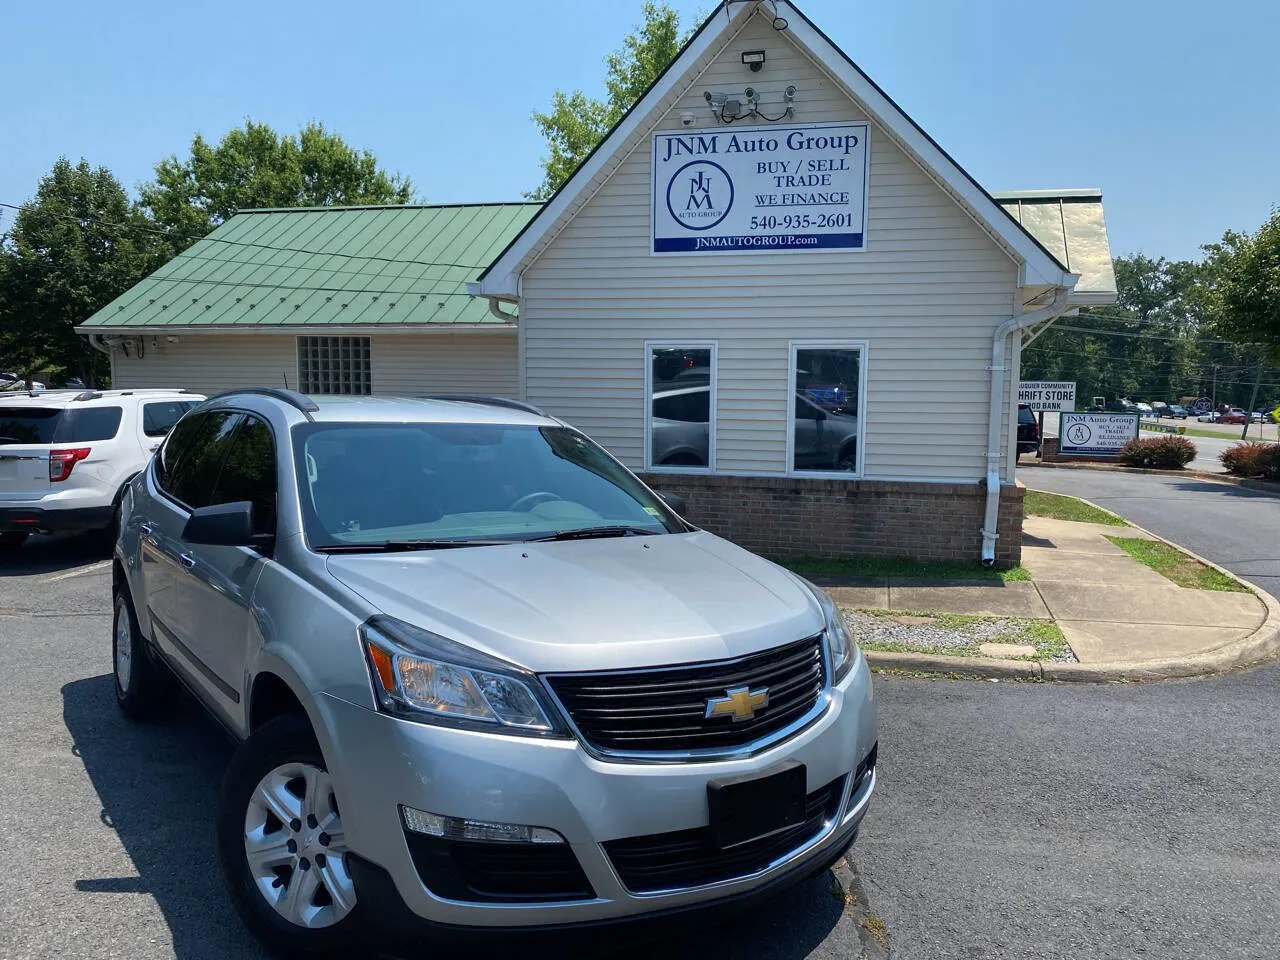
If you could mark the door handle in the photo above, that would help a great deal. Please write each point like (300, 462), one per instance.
(146, 529)
(187, 559)
(154, 447)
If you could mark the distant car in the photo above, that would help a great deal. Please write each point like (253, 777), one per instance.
(1159, 408)
(1256, 416)
(66, 457)
(1145, 409)
(1176, 410)
(1028, 431)
(679, 428)
(824, 439)
(1234, 415)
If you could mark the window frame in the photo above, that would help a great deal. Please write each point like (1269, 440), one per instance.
(649, 347)
(793, 349)
(304, 382)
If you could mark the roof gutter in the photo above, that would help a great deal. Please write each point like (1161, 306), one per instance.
(1058, 306)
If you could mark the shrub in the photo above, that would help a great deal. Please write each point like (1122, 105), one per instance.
(1252, 459)
(1162, 453)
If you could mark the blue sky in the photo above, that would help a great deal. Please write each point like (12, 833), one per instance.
(1171, 107)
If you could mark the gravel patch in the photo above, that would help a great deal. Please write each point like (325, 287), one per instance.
(954, 634)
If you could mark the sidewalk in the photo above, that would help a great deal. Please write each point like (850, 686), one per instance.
(1120, 617)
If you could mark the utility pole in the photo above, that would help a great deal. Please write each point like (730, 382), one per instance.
(1253, 400)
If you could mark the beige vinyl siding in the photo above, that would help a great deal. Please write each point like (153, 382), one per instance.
(402, 364)
(926, 295)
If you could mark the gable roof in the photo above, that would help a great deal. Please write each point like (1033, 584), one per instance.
(1071, 225)
(384, 266)
(1038, 266)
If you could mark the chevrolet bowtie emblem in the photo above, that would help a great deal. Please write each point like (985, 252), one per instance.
(740, 703)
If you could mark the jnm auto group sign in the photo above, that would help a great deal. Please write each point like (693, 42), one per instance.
(760, 188)
(1096, 434)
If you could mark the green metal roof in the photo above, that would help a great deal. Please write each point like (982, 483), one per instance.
(315, 266)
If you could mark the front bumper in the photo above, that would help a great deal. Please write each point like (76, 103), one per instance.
(383, 762)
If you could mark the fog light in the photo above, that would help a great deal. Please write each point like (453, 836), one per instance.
(455, 828)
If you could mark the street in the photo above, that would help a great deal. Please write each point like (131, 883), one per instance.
(1232, 526)
(1012, 820)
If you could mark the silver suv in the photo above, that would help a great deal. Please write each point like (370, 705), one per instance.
(482, 675)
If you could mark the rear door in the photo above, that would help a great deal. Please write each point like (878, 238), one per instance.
(25, 436)
(157, 418)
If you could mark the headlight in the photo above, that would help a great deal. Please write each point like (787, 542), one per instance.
(421, 676)
(840, 645)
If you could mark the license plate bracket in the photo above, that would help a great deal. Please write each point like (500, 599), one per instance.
(749, 807)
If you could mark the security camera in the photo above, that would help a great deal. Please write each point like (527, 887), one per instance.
(749, 93)
(790, 93)
(687, 118)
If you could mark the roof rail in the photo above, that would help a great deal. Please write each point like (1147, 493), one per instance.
(292, 397)
(87, 395)
(488, 402)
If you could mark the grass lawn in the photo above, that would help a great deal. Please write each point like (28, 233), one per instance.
(1058, 507)
(954, 634)
(1217, 434)
(850, 567)
(1175, 565)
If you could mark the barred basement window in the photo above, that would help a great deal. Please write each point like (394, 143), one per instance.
(334, 365)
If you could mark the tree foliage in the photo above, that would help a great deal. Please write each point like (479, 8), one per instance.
(577, 122)
(1245, 295)
(73, 248)
(253, 166)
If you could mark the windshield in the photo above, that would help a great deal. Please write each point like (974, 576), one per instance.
(370, 484)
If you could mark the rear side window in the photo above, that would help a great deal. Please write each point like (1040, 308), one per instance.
(192, 457)
(88, 424)
(1026, 415)
(54, 425)
(28, 424)
(158, 418)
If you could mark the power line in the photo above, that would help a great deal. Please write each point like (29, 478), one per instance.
(171, 235)
(1137, 336)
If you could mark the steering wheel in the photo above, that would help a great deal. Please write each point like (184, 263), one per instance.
(531, 500)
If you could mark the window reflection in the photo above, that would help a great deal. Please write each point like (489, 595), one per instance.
(825, 424)
(680, 406)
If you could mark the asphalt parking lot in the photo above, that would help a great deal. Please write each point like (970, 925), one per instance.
(107, 825)
(1036, 821)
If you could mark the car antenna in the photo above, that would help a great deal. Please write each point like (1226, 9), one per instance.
(286, 379)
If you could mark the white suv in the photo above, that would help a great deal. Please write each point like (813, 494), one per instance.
(65, 457)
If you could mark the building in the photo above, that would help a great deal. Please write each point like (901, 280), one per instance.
(768, 289)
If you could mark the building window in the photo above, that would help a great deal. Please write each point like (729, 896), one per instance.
(680, 391)
(334, 365)
(825, 406)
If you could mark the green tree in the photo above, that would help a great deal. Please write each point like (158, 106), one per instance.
(577, 122)
(253, 166)
(73, 248)
(1245, 297)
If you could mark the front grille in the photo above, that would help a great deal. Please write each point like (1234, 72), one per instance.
(664, 710)
(689, 858)
(498, 872)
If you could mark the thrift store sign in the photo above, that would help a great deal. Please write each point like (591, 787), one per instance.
(760, 188)
(1096, 434)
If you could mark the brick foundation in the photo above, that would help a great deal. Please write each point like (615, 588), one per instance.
(785, 516)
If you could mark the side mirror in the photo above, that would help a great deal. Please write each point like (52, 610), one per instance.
(222, 525)
(674, 501)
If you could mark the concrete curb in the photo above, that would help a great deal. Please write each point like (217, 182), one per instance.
(1260, 646)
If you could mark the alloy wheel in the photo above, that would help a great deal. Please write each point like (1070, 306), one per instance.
(295, 846)
(124, 649)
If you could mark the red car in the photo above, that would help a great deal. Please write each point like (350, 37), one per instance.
(1233, 415)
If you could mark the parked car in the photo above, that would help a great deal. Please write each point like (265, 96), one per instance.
(1028, 430)
(823, 439)
(1159, 408)
(479, 673)
(65, 457)
(1210, 416)
(1233, 415)
(1176, 411)
(1144, 409)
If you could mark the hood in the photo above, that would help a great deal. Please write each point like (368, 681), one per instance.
(592, 604)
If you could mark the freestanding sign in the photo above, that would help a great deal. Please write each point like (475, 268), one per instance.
(1048, 394)
(1096, 434)
(760, 188)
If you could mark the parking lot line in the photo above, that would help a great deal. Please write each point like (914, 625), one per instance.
(79, 572)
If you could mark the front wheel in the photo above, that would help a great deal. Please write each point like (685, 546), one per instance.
(281, 844)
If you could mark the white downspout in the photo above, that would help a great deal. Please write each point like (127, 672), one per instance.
(995, 422)
(498, 312)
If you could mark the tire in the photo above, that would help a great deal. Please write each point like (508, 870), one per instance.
(847, 459)
(109, 534)
(12, 540)
(280, 771)
(141, 687)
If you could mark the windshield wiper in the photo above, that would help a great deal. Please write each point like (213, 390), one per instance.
(593, 533)
(401, 546)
